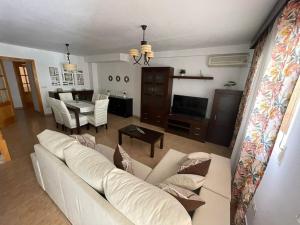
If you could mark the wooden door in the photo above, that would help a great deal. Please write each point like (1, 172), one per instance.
(7, 114)
(225, 108)
(23, 84)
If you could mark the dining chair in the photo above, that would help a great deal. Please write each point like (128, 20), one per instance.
(69, 118)
(55, 111)
(66, 96)
(99, 117)
(95, 97)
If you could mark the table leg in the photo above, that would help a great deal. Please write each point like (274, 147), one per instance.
(77, 121)
(162, 142)
(152, 150)
(120, 138)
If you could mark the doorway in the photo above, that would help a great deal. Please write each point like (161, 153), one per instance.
(22, 78)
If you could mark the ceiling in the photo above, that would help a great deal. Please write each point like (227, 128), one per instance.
(110, 26)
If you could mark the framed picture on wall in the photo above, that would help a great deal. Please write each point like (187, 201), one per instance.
(68, 78)
(54, 76)
(79, 77)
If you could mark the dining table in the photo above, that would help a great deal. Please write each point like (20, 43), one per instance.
(78, 107)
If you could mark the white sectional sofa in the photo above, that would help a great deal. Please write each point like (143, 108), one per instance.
(82, 205)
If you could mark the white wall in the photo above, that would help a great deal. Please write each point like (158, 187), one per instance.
(43, 59)
(132, 88)
(13, 85)
(192, 60)
(277, 198)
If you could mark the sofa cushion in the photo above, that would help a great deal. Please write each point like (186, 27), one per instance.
(194, 166)
(143, 203)
(55, 142)
(88, 164)
(218, 178)
(85, 140)
(140, 170)
(122, 160)
(216, 210)
(188, 181)
(188, 199)
(199, 155)
(167, 167)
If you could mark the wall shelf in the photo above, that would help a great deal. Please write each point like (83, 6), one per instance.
(193, 77)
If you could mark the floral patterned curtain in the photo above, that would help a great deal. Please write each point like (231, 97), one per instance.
(270, 105)
(253, 70)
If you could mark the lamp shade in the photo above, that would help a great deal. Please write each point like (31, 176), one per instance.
(150, 54)
(145, 49)
(133, 52)
(70, 67)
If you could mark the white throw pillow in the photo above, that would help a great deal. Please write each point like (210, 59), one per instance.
(188, 181)
(89, 164)
(141, 202)
(55, 142)
(199, 155)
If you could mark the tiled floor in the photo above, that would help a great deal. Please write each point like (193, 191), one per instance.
(22, 201)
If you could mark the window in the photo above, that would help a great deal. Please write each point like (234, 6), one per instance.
(24, 78)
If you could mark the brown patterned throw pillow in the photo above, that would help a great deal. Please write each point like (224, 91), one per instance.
(122, 160)
(84, 140)
(190, 200)
(194, 166)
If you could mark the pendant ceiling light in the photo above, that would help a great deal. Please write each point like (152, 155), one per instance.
(69, 66)
(146, 51)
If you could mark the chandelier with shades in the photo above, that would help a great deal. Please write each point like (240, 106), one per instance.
(146, 51)
(69, 66)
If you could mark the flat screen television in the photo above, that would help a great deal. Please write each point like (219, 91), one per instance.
(191, 106)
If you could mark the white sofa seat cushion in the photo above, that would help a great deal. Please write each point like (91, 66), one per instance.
(143, 203)
(218, 178)
(140, 170)
(216, 210)
(88, 164)
(55, 142)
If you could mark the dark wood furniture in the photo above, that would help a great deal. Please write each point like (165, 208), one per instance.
(82, 94)
(149, 136)
(187, 126)
(193, 77)
(222, 120)
(120, 106)
(156, 94)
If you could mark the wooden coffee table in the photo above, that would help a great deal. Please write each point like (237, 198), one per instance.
(150, 136)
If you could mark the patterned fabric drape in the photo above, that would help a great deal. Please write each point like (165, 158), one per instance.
(270, 105)
(253, 70)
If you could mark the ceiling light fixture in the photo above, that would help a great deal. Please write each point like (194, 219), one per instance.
(69, 66)
(146, 51)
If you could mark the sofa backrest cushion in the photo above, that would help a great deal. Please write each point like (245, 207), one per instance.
(88, 164)
(143, 203)
(55, 142)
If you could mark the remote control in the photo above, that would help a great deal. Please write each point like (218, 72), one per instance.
(140, 130)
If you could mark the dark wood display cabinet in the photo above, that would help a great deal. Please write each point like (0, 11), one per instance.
(223, 116)
(156, 94)
(187, 126)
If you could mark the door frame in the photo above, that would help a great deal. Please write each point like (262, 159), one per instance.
(35, 77)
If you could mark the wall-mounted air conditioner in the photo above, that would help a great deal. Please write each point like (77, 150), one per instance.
(240, 59)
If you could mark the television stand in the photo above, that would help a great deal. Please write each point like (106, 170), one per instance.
(187, 126)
